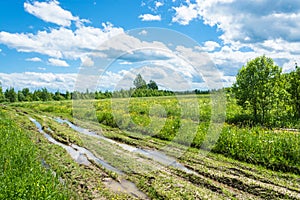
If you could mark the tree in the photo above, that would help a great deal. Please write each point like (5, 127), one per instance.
(2, 97)
(21, 96)
(68, 95)
(152, 85)
(27, 94)
(139, 82)
(11, 95)
(45, 95)
(256, 87)
(294, 90)
(58, 96)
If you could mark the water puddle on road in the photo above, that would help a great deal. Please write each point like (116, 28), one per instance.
(155, 155)
(82, 156)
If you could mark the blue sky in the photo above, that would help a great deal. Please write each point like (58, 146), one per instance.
(53, 43)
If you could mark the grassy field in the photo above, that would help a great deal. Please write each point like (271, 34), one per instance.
(164, 117)
(244, 163)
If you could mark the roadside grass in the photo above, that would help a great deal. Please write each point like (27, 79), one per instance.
(21, 173)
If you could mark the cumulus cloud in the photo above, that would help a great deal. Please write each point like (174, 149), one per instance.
(87, 62)
(210, 46)
(248, 29)
(58, 62)
(245, 21)
(34, 59)
(34, 81)
(50, 11)
(185, 13)
(150, 17)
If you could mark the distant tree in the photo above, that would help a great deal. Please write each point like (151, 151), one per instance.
(27, 94)
(21, 96)
(152, 85)
(68, 95)
(58, 96)
(45, 95)
(139, 82)
(11, 95)
(256, 87)
(2, 97)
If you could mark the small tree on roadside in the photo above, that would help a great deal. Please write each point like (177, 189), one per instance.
(256, 87)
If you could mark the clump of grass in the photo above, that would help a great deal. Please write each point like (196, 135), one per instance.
(21, 174)
(274, 150)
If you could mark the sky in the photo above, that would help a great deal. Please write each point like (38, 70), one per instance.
(180, 44)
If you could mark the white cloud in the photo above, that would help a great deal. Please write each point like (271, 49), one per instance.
(243, 21)
(143, 32)
(248, 29)
(33, 81)
(150, 17)
(42, 68)
(125, 63)
(184, 14)
(87, 62)
(50, 12)
(61, 42)
(210, 46)
(158, 4)
(34, 59)
(58, 62)
(0, 50)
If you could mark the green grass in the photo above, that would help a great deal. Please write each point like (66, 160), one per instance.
(167, 117)
(22, 175)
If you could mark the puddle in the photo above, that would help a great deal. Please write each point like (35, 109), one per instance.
(91, 156)
(124, 186)
(81, 156)
(76, 155)
(155, 155)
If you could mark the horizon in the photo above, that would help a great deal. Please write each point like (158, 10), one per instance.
(48, 44)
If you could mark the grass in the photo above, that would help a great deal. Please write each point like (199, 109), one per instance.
(21, 173)
(217, 175)
(186, 121)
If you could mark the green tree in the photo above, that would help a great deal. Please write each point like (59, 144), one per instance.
(2, 97)
(58, 96)
(11, 95)
(294, 90)
(152, 85)
(139, 82)
(45, 95)
(68, 95)
(21, 96)
(27, 94)
(256, 86)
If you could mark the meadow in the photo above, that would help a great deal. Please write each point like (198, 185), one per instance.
(186, 120)
(228, 160)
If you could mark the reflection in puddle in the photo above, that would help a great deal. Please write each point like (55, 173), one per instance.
(81, 156)
(157, 156)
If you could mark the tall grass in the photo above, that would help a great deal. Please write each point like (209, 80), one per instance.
(22, 175)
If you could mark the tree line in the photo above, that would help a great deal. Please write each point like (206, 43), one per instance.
(267, 95)
(141, 89)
